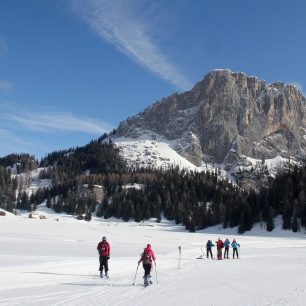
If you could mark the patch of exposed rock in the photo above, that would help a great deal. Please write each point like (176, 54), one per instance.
(226, 116)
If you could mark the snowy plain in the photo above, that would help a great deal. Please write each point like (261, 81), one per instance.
(50, 262)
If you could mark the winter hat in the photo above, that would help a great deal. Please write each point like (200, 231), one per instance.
(103, 238)
(149, 245)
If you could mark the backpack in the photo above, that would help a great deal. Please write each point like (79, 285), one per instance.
(220, 244)
(103, 249)
(147, 258)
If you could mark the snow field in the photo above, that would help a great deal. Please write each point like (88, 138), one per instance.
(45, 262)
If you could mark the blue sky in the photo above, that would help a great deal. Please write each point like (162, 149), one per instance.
(71, 70)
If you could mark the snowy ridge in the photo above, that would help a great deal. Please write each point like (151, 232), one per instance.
(161, 154)
(144, 152)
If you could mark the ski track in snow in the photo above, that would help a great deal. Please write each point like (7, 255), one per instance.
(43, 262)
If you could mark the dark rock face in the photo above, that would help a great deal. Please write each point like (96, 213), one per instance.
(226, 116)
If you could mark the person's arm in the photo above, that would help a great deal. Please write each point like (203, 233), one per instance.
(108, 253)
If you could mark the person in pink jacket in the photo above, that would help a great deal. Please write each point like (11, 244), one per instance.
(146, 258)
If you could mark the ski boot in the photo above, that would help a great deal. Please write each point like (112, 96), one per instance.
(145, 281)
(149, 280)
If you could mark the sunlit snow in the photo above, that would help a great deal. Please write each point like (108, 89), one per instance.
(54, 261)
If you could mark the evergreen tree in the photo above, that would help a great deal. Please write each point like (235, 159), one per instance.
(295, 225)
(269, 220)
(287, 214)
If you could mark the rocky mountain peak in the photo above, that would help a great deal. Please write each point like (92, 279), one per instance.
(225, 118)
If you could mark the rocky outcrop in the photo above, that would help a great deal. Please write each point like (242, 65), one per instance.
(227, 116)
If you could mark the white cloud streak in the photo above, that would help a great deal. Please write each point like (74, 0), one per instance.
(54, 122)
(119, 23)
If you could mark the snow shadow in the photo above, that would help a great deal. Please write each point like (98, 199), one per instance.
(101, 284)
(62, 274)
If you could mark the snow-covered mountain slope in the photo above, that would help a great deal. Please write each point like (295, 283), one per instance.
(49, 262)
(144, 152)
(30, 181)
(160, 153)
(227, 119)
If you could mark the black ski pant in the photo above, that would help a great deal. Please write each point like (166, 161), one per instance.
(103, 263)
(226, 252)
(147, 269)
(235, 251)
(208, 251)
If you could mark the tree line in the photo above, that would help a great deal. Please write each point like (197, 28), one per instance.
(95, 179)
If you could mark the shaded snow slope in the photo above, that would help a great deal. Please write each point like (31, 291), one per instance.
(48, 262)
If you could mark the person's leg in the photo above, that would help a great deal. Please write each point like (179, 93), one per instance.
(101, 263)
(106, 265)
(147, 269)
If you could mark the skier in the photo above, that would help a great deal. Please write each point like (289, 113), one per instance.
(219, 248)
(209, 245)
(226, 247)
(146, 258)
(104, 254)
(235, 246)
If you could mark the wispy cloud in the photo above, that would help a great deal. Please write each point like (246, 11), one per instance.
(5, 86)
(119, 23)
(54, 122)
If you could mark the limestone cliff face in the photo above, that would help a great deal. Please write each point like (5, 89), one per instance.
(226, 116)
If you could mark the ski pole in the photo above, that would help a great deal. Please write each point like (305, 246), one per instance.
(156, 272)
(135, 275)
(203, 252)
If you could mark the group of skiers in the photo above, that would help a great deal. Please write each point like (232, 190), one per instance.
(220, 245)
(147, 257)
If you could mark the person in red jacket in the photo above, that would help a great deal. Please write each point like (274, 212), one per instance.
(104, 252)
(146, 258)
(219, 248)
